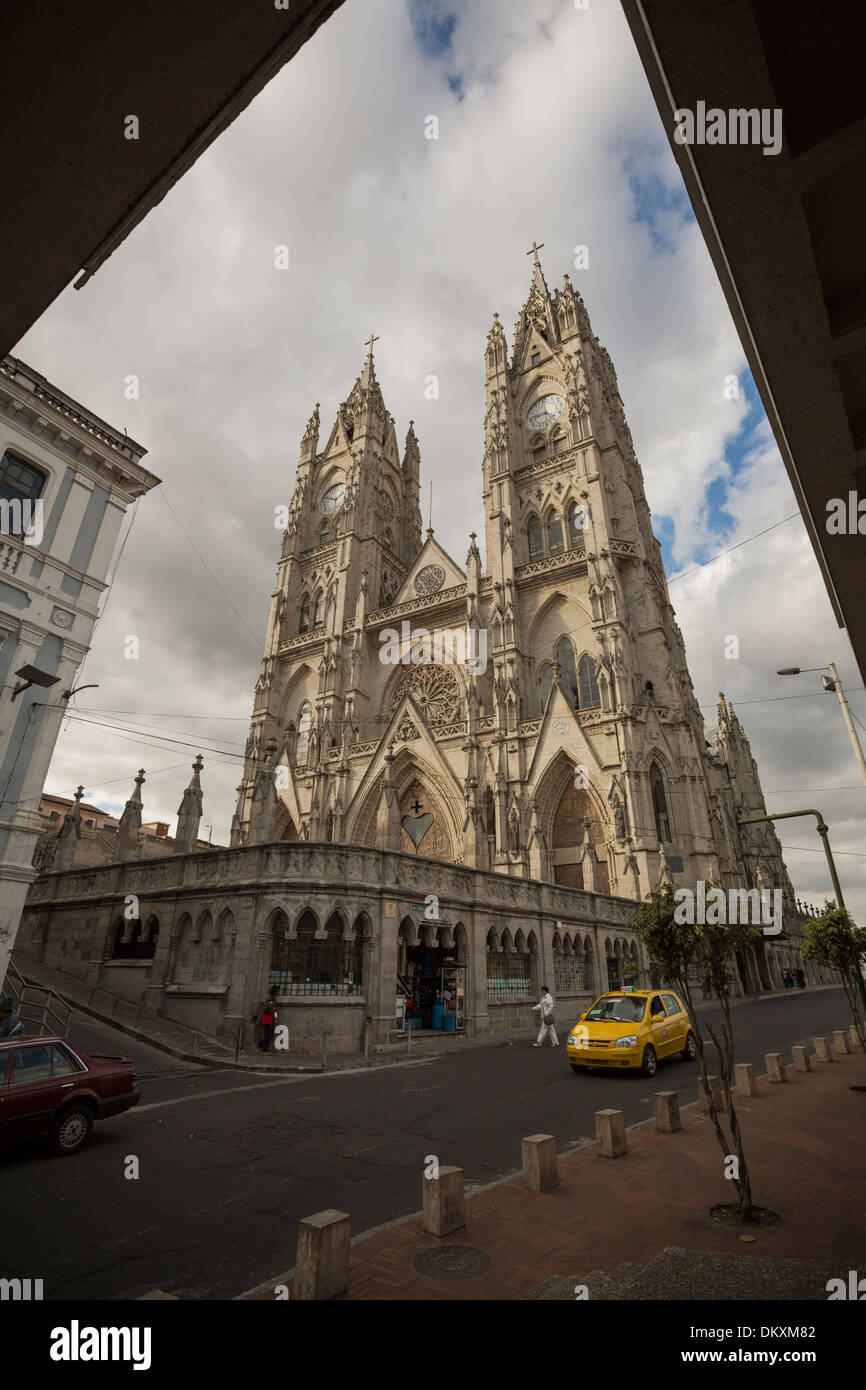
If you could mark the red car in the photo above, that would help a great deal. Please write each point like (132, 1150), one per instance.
(50, 1088)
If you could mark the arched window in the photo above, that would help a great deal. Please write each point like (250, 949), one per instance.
(575, 524)
(567, 672)
(304, 625)
(319, 614)
(555, 543)
(311, 965)
(545, 681)
(324, 532)
(538, 447)
(560, 443)
(302, 746)
(660, 804)
(589, 692)
(535, 538)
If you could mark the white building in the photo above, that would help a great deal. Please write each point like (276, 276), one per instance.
(66, 481)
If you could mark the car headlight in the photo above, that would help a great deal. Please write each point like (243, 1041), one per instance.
(630, 1041)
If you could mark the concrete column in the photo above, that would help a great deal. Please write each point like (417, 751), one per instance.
(322, 1263)
(744, 1079)
(443, 1203)
(610, 1133)
(712, 1088)
(856, 1045)
(840, 1040)
(479, 1019)
(823, 1050)
(801, 1058)
(775, 1064)
(666, 1108)
(538, 1152)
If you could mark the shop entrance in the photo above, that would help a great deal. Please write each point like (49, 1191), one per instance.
(434, 986)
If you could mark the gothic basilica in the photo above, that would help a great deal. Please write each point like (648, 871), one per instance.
(517, 736)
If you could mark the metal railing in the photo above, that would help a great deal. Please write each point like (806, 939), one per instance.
(39, 1008)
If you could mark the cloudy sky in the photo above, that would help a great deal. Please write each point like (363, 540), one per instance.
(547, 131)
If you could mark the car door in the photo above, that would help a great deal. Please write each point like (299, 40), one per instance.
(679, 1021)
(41, 1079)
(659, 1026)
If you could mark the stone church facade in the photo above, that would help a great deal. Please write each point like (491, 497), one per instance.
(534, 722)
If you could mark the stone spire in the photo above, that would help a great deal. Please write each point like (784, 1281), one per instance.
(69, 834)
(189, 812)
(310, 441)
(130, 822)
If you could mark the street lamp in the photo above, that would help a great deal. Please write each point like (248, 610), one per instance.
(832, 682)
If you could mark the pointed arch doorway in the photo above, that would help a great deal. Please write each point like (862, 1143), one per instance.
(574, 810)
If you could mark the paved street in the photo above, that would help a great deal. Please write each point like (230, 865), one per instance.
(230, 1161)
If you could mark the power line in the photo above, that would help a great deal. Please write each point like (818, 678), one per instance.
(712, 558)
(258, 640)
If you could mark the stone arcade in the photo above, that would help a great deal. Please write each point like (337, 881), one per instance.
(536, 795)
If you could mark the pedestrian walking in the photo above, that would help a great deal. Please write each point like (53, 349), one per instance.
(789, 978)
(801, 978)
(544, 1008)
(268, 1019)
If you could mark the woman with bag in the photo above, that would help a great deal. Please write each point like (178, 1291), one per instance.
(268, 1019)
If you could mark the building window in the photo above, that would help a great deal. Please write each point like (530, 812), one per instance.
(535, 538)
(319, 614)
(536, 357)
(567, 672)
(560, 443)
(575, 524)
(309, 965)
(660, 805)
(304, 625)
(570, 969)
(590, 697)
(509, 974)
(19, 479)
(555, 543)
(302, 746)
(324, 532)
(545, 681)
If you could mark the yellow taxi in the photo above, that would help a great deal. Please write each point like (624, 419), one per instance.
(631, 1029)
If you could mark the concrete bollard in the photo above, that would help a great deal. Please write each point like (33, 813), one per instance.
(540, 1172)
(443, 1202)
(801, 1058)
(322, 1261)
(715, 1090)
(841, 1042)
(822, 1049)
(610, 1133)
(775, 1064)
(856, 1045)
(666, 1108)
(744, 1079)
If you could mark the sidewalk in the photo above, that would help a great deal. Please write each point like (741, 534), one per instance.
(191, 1046)
(639, 1226)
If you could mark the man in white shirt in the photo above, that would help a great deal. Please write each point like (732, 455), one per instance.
(544, 1007)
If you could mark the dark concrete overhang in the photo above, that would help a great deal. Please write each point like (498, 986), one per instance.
(73, 187)
(786, 234)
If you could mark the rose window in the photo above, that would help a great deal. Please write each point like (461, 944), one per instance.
(434, 690)
(429, 579)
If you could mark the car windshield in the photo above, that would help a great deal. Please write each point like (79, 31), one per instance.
(618, 1008)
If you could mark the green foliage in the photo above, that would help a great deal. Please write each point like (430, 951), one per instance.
(833, 939)
(670, 945)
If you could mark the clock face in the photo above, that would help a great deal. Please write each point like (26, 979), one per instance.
(333, 499)
(544, 412)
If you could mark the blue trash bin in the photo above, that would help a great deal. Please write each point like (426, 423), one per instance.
(438, 1014)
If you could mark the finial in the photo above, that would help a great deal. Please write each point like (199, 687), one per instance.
(534, 250)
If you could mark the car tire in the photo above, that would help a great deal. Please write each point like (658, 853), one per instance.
(576, 1067)
(70, 1131)
(690, 1051)
(650, 1062)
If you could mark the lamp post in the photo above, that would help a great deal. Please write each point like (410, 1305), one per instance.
(832, 682)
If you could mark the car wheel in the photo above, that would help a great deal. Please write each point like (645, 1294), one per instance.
(649, 1065)
(690, 1051)
(576, 1067)
(70, 1130)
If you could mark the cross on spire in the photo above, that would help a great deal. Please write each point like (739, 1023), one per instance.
(373, 338)
(534, 250)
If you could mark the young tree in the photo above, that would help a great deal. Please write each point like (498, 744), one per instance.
(680, 949)
(833, 939)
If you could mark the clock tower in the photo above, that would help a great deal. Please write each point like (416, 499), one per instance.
(354, 528)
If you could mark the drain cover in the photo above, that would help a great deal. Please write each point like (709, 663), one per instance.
(451, 1262)
(857, 1088)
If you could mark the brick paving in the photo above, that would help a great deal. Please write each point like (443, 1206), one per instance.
(804, 1143)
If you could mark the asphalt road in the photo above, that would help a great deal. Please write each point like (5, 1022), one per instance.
(230, 1162)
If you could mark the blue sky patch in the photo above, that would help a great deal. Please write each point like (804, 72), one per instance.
(433, 23)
